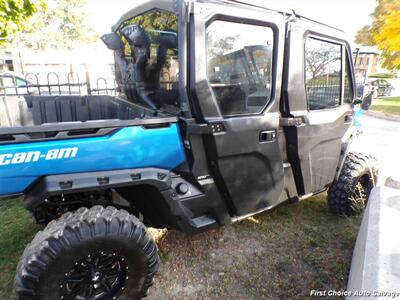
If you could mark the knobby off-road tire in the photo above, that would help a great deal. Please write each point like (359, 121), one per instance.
(97, 253)
(349, 194)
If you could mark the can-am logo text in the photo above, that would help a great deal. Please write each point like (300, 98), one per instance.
(35, 156)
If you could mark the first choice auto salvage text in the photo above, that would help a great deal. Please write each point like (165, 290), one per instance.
(344, 293)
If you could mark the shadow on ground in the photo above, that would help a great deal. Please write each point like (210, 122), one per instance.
(283, 253)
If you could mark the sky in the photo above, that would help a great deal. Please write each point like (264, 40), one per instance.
(348, 15)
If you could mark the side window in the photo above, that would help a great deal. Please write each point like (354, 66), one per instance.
(348, 88)
(239, 66)
(323, 73)
(20, 82)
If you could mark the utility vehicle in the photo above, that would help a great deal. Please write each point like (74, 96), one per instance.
(224, 110)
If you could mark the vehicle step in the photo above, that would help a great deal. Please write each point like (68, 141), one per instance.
(204, 222)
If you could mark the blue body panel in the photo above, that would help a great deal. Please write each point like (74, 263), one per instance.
(130, 147)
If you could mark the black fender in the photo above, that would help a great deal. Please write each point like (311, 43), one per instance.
(191, 213)
(351, 134)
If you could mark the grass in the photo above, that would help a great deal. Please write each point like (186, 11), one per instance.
(283, 253)
(280, 254)
(389, 105)
(17, 228)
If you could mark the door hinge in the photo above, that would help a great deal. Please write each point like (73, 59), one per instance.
(199, 129)
(287, 122)
(206, 128)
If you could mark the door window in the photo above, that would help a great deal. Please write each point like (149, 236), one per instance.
(239, 66)
(323, 61)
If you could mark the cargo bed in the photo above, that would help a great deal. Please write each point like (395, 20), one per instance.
(27, 118)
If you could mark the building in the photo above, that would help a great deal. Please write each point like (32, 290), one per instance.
(57, 65)
(368, 67)
(366, 63)
(7, 60)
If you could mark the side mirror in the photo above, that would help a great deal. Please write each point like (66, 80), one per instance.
(365, 102)
(113, 41)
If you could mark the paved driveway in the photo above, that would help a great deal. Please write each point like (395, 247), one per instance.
(381, 138)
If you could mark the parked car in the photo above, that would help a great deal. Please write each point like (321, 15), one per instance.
(11, 84)
(381, 87)
(98, 169)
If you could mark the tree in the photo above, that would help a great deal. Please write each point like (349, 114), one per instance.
(384, 32)
(64, 24)
(217, 47)
(154, 20)
(159, 20)
(320, 58)
(14, 16)
(365, 37)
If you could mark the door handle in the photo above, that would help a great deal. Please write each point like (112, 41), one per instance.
(267, 136)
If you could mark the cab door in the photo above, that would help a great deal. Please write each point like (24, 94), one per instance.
(235, 63)
(320, 92)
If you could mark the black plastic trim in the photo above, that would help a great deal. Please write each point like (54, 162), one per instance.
(185, 210)
(209, 144)
(74, 183)
(62, 131)
(290, 131)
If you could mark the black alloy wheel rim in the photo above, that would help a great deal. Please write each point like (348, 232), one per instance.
(361, 192)
(98, 276)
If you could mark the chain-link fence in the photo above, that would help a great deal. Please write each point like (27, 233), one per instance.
(320, 91)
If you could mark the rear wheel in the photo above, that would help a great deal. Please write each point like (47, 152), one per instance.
(97, 253)
(349, 194)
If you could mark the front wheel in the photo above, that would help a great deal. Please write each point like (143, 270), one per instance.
(349, 194)
(97, 253)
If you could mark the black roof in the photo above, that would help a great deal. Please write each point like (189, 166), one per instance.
(287, 13)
